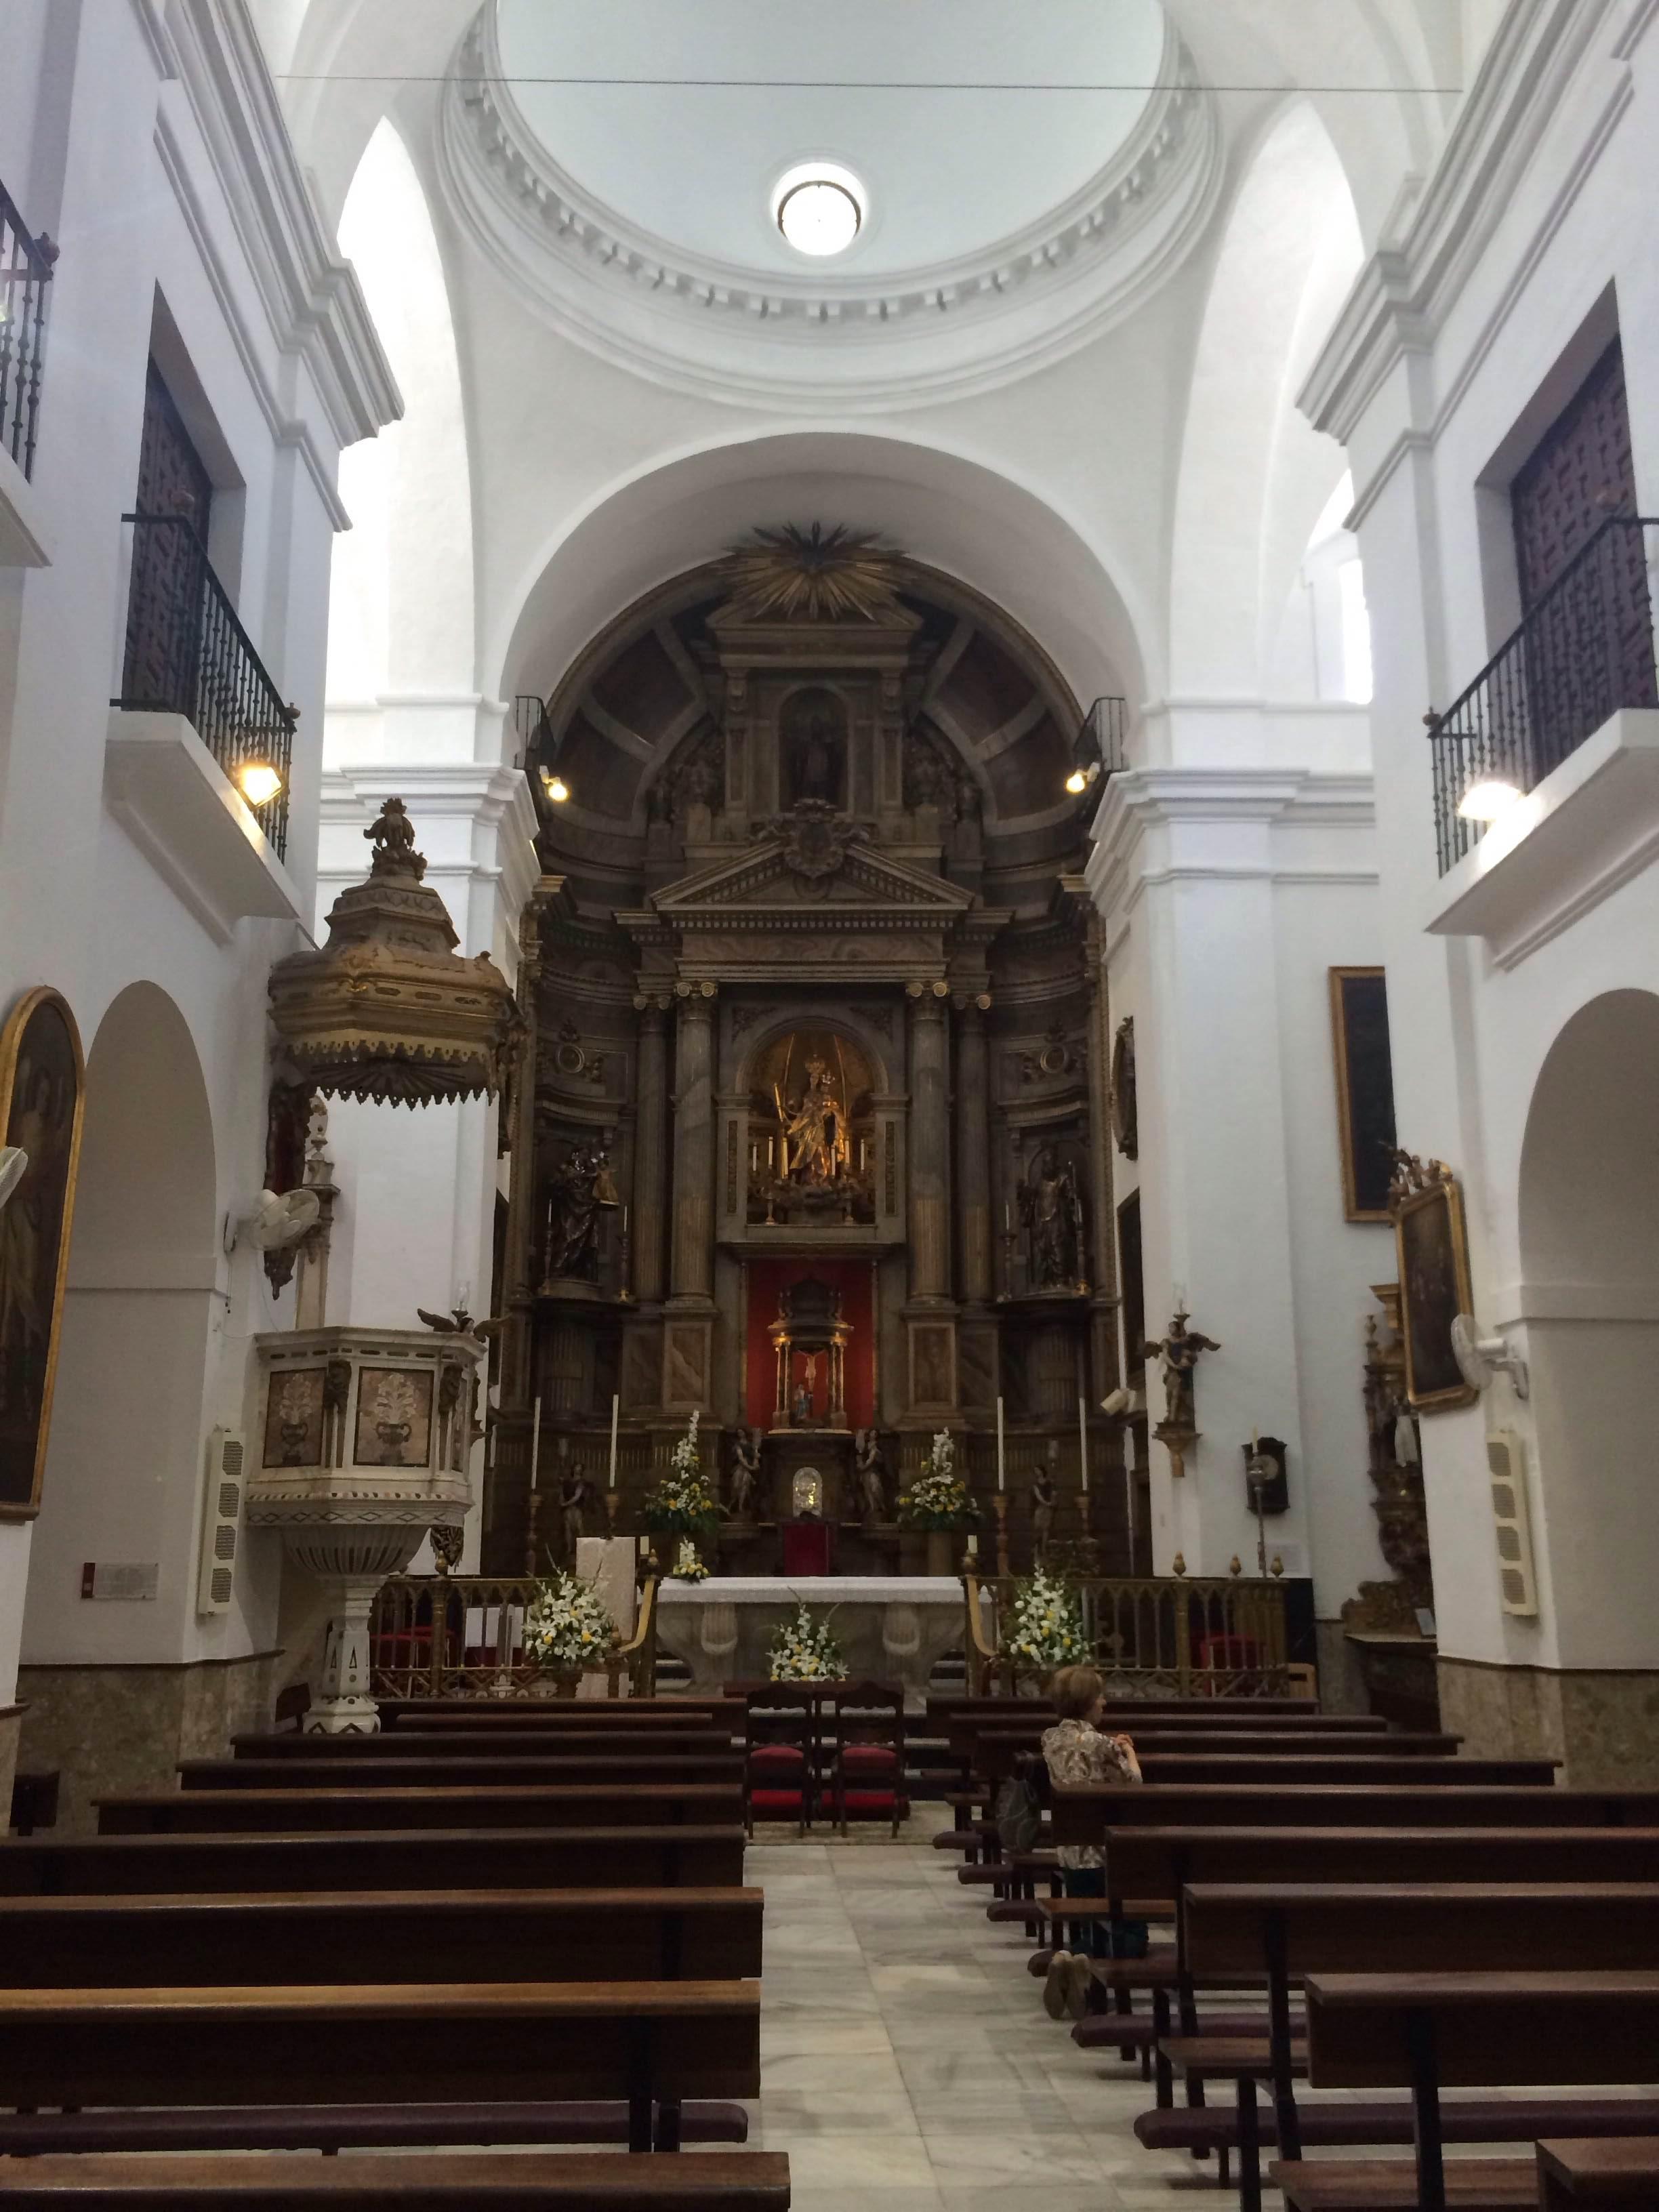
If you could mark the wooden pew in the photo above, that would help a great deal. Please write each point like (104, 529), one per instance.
(1251, 1711)
(1287, 1932)
(654, 2045)
(481, 1770)
(411, 1743)
(421, 1937)
(463, 1713)
(1268, 1771)
(283, 2181)
(1431, 2032)
(995, 1753)
(698, 1855)
(295, 1811)
(1082, 1815)
(1159, 1862)
(1595, 2172)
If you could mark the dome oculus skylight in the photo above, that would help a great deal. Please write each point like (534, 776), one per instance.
(819, 208)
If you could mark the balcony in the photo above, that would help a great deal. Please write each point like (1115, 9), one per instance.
(26, 264)
(1583, 653)
(1097, 748)
(1546, 771)
(201, 746)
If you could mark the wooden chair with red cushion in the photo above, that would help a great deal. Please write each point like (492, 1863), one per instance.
(867, 1774)
(779, 1748)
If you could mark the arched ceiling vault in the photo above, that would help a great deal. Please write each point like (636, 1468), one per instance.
(340, 63)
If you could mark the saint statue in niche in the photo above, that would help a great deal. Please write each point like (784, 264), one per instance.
(813, 752)
(582, 1189)
(1052, 1209)
(816, 1145)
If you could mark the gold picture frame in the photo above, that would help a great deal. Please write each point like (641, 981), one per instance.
(1364, 1090)
(43, 1089)
(1431, 1245)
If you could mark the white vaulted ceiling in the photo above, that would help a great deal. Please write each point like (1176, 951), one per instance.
(690, 160)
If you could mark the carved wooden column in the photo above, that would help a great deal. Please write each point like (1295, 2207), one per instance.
(978, 1362)
(930, 1319)
(930, 1143)
(650, 1147)
(974, 1151)
(687, 1333)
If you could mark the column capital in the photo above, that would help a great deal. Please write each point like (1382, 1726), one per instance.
(928, 996)
(696, 996)
(652, 1005)
(972, 1002)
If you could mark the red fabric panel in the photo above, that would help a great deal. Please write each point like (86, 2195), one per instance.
(868, 1758)
(855, 1280)
(775, 1801)
(807, 1548)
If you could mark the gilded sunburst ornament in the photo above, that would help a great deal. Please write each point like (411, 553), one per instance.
(790, 575)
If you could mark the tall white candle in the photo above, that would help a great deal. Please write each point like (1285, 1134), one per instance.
(1129, 1500)
(1002, 1478)
(535, 1444)
(1083, 1442)
(616, 1405)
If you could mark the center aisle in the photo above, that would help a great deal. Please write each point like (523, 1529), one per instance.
(907, 2064)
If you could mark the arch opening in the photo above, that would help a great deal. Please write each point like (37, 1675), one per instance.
(1589, 1249)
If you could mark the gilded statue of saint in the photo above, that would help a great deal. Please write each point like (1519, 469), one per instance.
(814, 1133)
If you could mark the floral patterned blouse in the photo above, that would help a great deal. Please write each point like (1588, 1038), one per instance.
(1077, 1752)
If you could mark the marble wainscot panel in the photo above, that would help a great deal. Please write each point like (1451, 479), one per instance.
(1602, 1726)
(111, 1728)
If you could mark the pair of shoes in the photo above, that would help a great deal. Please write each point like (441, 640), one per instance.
(1056, 1986)
(1038, 1965)
(1079, 1982)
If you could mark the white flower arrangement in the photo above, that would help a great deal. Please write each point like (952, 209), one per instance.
(938, 1499)
(804, 1651)
(683, 1502)
(688, 1567)
(567, 1627)
(1045, 1629)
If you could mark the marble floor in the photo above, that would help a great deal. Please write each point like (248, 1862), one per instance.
(908, 2064)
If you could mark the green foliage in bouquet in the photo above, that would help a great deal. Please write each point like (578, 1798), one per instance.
(566, 1625)
(804, 1651)
(683, 1502)
(1045, 1626)
(938, 1499)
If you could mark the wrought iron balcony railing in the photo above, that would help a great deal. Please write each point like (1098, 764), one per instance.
(1585, 650)
(1097, 748)
(187, 653)
(26, 265)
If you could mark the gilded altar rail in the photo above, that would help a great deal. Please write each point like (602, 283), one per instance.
(1151, 1635)
(480, 1652)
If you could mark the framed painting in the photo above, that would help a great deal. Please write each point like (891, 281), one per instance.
(1364, 1090)
(42, 1101)
(394, 1417)
(1434, 1288)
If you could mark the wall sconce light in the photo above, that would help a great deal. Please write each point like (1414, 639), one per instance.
(259, 782)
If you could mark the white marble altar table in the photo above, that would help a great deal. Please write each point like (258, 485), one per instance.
(891, 1627)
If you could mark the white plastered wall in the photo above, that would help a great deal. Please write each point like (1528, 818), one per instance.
(1434, 427)
(121, 160)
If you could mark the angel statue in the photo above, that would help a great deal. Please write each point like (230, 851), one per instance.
(870, 1466)
(746, 1472)
(1178, 1355)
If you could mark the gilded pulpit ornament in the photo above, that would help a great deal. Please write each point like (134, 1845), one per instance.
(791, 574)
(387, 1010)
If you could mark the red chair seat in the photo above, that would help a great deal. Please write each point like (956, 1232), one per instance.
(776, 1759)
(879, 1803)
(869, 1759)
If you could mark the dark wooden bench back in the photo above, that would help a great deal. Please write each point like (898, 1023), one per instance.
(292, 1812)
(464, 1713)
(1082, 1816)
(1516, 2030)
(410, 1743)
(421, 1937)
(552, 2181)
(698, 1855)
(462, 1769)
(1158, 1862)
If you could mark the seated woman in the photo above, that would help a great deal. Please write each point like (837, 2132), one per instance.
(1076, 1750)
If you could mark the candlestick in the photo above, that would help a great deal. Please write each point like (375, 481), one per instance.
(1083, 1441)
(616, 1404)
(999, 1505)
(612, 1501)
(1002, 1478)
(535, 1444)
(1180, 1297)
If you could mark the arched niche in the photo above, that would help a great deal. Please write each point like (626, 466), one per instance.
(1588, 1218)
(124, 1468)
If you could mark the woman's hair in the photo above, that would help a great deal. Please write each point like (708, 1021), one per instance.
(1074, 1691)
